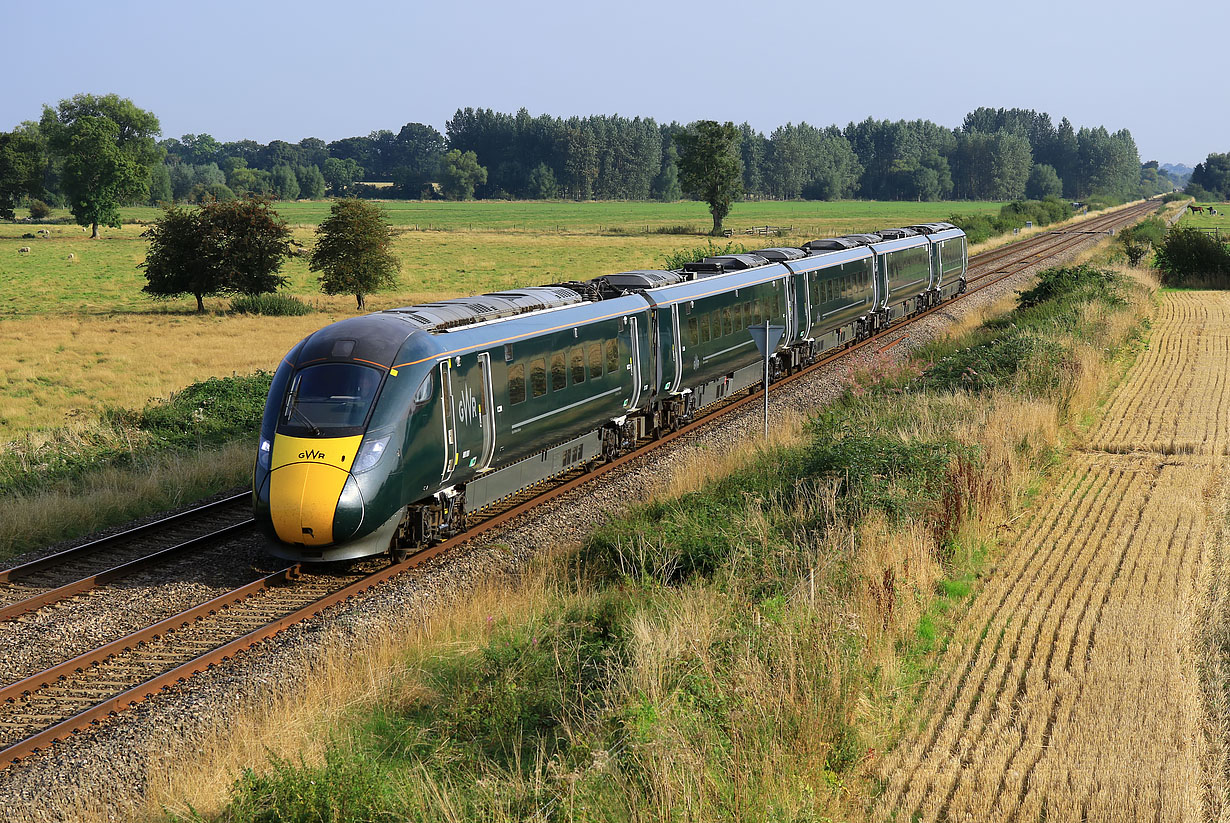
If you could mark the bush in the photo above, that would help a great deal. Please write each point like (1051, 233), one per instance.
(214, 192)
(1191, 257)
(980, 227)
(270, 305)
(676, 260)
(39, 210)
(1171, 196)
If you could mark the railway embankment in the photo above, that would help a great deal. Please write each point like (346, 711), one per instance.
(747, 641)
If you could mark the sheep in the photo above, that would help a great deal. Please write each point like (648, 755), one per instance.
(24, 250)
(72, 256)
(45, 232)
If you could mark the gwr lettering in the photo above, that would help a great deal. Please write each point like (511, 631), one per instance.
(311, 454)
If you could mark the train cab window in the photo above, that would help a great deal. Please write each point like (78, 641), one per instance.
(538, 376)
(694, 331)
(516, 384)
(559, 374)
(595, 361)
(423, 393)
(331, 397)
(577, 364)
(704, 327)
(612, 356)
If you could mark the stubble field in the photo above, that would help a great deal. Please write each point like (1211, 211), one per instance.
(1070, 691)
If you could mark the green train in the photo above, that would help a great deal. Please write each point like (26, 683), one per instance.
(382, 432)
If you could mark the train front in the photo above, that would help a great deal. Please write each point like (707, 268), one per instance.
(330, 475)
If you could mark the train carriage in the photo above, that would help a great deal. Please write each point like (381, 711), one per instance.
(382, 432)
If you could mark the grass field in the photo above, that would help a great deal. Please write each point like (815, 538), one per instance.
(79, 334)
(1206, 220)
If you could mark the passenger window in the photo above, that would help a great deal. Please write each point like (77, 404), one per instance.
(559, 375)
(578, 365)
(595, 361)
(694, 331)
(704, 327)
(612, 356)
(727, 326)
(538, 377)
(756, 311)
(741, 312)
(516, 384)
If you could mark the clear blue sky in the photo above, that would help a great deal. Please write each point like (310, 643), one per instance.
(281, 70)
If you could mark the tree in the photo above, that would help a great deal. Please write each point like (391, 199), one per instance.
(311, 182)
(220, 248)
(461, 174)
(542, 182)
(285, 184)
(21, 170)
(107, 145)
(353, 251)
(340, 174)
(160, 184)
(1043, 182)
(709, 166)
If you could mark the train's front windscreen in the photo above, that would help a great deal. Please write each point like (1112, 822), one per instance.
(332, 399)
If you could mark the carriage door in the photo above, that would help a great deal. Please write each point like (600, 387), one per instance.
(450, 418)
(486, 412)
(791, 308)
(676, 351)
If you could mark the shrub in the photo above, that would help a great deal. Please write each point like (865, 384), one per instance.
(980, 227)
(695, 254)
(271, 305)
(1189, 256)
(39, 210)
(689, 229)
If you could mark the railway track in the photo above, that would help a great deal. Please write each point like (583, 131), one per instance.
(76, 694)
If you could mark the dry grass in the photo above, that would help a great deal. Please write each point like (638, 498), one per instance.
(107, 496)
(1067, 693)
(707, 463)
(347, 679)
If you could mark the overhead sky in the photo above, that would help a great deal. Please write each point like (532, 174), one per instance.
(268, 69)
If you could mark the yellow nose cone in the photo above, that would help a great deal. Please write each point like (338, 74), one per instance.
(304, 486)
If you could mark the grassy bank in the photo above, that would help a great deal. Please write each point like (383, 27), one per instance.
(744, 645)
(79, 478)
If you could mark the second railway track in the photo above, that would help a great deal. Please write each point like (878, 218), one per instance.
(82, 689)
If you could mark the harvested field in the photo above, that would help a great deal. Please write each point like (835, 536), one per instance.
(1070, 692)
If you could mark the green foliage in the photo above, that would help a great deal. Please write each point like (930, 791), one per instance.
(980, 227)
(311, 182)
(202, 194)
(107, 146)
(270, 305)
(353, 251)
(710, 168)
(205, 414)
(1043, 182)
(341, 791)
(340, 174)
(461, 174)
(1140, 239)
(160, 191)
(542, 182)
(39, 210)
(676, 260)
(285, 183)
(1211, 178)
(21, 169)
(1188, 255)
(232, 247)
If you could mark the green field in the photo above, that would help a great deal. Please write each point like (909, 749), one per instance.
(1209, 221)
(78, 334)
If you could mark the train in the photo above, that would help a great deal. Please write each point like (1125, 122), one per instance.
(383, 432)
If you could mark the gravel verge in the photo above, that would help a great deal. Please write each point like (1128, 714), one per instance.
(107, 767)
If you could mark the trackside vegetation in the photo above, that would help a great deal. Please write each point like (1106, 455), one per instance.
(745, 647)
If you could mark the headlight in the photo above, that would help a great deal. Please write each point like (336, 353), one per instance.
(265, 454)
(369, 454)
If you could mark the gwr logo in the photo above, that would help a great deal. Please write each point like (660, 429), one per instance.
(311, 454)
(467, 406)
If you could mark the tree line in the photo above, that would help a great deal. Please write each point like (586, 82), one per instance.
(995, 154)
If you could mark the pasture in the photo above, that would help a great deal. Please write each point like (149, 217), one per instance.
(79, 335)
(1206, 220)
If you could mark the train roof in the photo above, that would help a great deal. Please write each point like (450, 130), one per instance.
(467, 311)
(779, 253)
